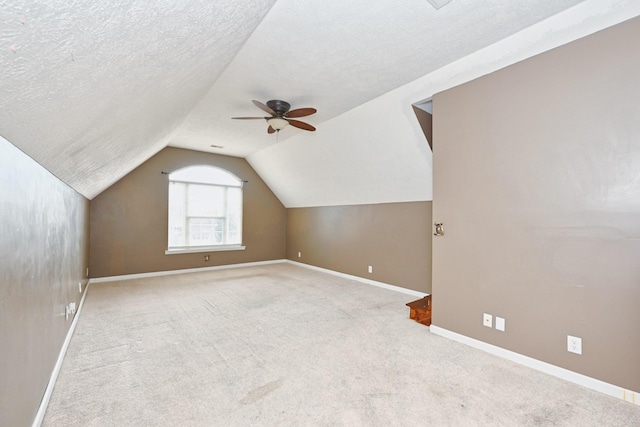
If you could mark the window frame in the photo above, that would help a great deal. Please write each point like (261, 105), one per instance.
(211, 247)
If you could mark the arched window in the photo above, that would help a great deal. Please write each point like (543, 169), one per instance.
(205, 210)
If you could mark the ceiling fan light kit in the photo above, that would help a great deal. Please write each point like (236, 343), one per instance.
(277, 123)
(281, 115)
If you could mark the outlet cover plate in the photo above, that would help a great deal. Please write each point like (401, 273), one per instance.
(487, 320)
(500, 323)
(574, 344)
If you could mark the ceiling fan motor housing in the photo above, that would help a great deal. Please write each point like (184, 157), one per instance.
(280, 107)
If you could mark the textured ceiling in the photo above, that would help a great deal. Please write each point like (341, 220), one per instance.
(336, 58)
(92, 89)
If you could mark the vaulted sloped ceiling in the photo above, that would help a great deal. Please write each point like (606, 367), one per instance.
(92, 89)
(377, 152)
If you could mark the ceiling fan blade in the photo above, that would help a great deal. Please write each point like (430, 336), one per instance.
(270, 129)
(250, 118)
(301, 112)
(263, 107)
(301, 125)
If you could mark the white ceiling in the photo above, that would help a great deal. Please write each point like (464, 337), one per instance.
(336, 58)
(92, 89)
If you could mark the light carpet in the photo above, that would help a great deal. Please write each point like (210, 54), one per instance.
(282, 345)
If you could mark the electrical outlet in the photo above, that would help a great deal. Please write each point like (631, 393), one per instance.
(500, 323)
(370, 269)
(87, 273)
(206, 257)
(487, 320)
(574, 344)
(299, 254)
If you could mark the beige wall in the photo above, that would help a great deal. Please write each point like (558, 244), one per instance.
(44, 248)
(537, 181)
(129, 219)
(394, 238)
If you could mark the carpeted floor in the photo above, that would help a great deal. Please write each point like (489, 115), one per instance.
(282, 345)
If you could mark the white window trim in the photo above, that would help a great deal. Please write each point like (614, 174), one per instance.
(199, 249)
(209, 248)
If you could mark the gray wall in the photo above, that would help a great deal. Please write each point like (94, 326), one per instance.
(43, 256)
(129, 219)
(394, 238)
(537, 181)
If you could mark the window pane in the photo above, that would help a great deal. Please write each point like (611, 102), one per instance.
(177, 232)
(234, 198)
(234, 223)
(205, 231)
(205, 200)
(206, 175)
(234, 231)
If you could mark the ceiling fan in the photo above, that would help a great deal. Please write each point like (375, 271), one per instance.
(281, 116)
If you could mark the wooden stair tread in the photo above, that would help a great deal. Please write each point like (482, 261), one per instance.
(420, 310)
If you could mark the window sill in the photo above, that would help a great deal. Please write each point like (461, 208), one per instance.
(198, 249)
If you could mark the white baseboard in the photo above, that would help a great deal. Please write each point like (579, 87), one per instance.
(253, 264)
(42, 409)
(186, 270)
(361, 279)
(556, 371)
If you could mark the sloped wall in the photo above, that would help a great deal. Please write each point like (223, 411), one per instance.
(537, 182)
(129, 219)
(44, 247)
